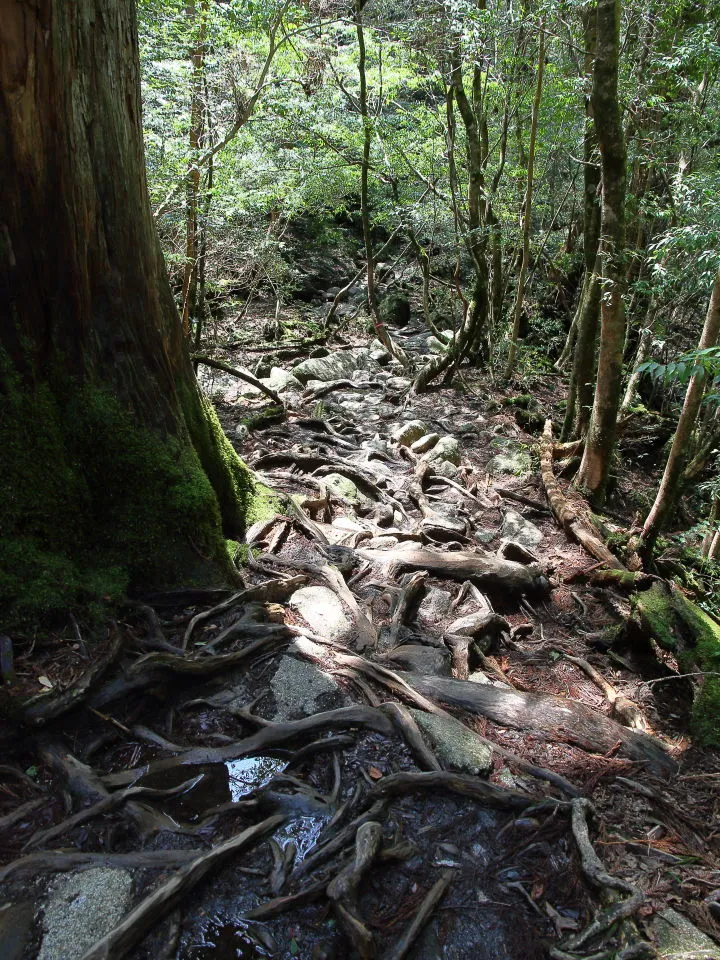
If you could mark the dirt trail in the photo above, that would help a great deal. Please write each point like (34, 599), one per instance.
(399, 697)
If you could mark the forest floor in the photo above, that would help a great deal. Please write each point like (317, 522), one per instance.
(399, 701)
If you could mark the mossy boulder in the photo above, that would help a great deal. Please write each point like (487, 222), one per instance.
(682, 627)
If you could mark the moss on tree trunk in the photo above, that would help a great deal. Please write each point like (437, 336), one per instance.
(114, 472)
(682, 627)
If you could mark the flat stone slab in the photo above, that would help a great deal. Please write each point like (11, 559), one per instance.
(455, 746)
(301, 689)
(81, 909)
(322, 611)
(516, 528)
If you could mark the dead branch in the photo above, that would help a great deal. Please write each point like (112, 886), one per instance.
(240, 374)
(427, 908)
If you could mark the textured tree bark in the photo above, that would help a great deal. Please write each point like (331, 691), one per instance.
(671, 480)
(527, 209)
(601, 435)
(114, 467)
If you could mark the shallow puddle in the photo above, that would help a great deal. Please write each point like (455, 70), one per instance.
(251, 773)
(228, 940)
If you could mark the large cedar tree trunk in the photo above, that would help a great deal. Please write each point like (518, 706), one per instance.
(114, 472)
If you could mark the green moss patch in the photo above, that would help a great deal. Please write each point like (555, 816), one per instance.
(93, 503)
(679, 625)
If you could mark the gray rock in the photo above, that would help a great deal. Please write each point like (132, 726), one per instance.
(417, 658)
(323, 612)
(677, 937)
(447, 448)
(515, 527)
(378, 352)
(337, 366)
(425, 443)
(81, 909)
(301, 689)
(443, 468)
(409, 432)
(435, 346)
(345, 488)
(456, 746)
(280, 380)
(514, 463)
(435, 605)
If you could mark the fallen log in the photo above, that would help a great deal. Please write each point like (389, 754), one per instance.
(554, 717)
(565, 514)
(491, 572)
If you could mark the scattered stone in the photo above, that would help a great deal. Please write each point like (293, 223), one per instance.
(380, 543)
(676, 936)
(345, 488)
(398, 383)
(485, 536)
(81, 909)
(417, 658)
(455, 745)
(512, 550)
(322, 611)
(378, 352)
(514, 463)
(515, 527)
(409, 432)
(336, 366)
(384, 515)
(425, 443)
(447, 448)
(301, 689)
(435, 605)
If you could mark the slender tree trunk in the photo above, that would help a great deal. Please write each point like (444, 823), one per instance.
(602, 430)
(643, 351)
(380, 328)
(115, 473)
(670, 484)
(581, 344)
(197, 59)
(527, 209)
(713, 528)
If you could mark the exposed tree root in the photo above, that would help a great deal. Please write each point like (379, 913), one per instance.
(50, 706)
(146, 914)
(427, 908)
(473, 787)
(490, 572)
(554, 717)
(564, 513)
(240, 374)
